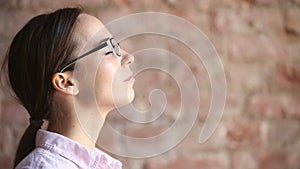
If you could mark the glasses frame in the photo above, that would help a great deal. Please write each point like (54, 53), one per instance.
(110, 42)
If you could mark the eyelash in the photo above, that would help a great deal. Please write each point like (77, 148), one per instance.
(109, 52)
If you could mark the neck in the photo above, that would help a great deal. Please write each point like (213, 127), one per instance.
(85, 131)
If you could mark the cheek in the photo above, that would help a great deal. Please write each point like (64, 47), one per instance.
(105, 76)
(104, 82)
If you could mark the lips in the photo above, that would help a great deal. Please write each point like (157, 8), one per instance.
(131, 77)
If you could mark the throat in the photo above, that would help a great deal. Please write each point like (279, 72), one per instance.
(81, 132)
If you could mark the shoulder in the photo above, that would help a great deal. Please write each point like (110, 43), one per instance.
(44, 159)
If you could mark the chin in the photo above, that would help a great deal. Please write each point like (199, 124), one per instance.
(119, 102)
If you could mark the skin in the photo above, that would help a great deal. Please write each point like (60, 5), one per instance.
(77, 114)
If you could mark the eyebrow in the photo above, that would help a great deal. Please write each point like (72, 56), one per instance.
(102, 41)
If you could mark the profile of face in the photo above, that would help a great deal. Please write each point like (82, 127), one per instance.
(103, 78)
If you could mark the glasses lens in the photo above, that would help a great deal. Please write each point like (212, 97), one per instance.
(116, 47)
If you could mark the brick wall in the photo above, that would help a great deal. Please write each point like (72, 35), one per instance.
(259, 45)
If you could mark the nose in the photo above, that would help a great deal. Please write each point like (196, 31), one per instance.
(127, 59)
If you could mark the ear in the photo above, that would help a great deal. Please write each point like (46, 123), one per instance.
(64, 82)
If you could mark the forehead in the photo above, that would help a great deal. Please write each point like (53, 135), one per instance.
(90, 30)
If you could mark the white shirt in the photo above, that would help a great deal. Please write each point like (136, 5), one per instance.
(56, 151)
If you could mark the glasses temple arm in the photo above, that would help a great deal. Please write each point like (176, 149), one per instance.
(81, 56)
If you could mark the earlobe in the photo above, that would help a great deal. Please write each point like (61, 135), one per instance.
(64, 83)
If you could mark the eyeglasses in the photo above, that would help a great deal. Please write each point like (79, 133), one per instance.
(110, 42)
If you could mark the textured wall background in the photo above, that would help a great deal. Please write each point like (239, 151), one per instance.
(259, 44)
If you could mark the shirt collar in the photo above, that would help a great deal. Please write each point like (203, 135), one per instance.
(75, 152)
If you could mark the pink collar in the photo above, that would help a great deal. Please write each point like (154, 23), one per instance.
(75, 152)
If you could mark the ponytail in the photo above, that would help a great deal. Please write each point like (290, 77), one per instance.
(26, 146)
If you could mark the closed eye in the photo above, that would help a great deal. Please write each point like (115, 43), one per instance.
(109, 52)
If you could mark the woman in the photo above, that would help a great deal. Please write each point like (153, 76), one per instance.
(42, 72)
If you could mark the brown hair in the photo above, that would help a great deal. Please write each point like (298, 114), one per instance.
(37, 51)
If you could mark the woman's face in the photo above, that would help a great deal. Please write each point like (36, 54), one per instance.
(107, 78)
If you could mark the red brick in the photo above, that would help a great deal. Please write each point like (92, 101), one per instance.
(260, 18)
(202, 19)
(244, 160)
(12, 22)
(220, 43)
(246, 20)
(2, 26)
(249, 3)
(265, 160)
(218, 140)
(205, 160)
(234, 105)
(8, 3)
(220, 19)
(49, 6)
(255, 48)
(282, 134)
(277, 160)
(297, 2)
(267, 2)
(275, 106)
(292, 14)
(195, 65)
(293, 160)
(292, 106)
(141, 4)
(3, 49)
(14, 113)
(246, 77)
(244, 134)
(236, 4)
(287, 76)
(267, 106)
